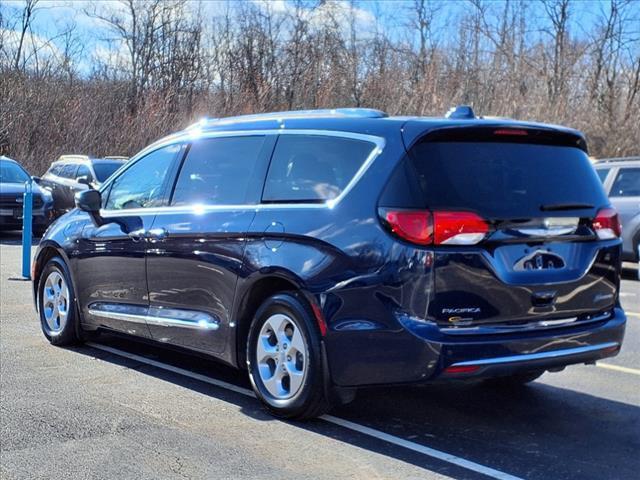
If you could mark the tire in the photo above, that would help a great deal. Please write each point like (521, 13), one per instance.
(515, 380)
(284, 324)
(57, 304)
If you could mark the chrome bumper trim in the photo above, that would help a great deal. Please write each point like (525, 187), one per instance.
(532, 326)
(527, 357)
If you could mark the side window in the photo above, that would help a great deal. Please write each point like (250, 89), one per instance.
(627, 183)
(55, 170)
(218, 171)
(68, 170)
(83, 171)
(140, 186)
(313, 168)
(602, 173)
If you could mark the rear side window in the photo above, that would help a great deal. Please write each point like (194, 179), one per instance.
(68, 171)
(55, 170)
(602, 173)
(627, 183)
(505, 180)
(218, 171)
(313, 168)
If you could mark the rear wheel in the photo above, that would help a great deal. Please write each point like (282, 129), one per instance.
(514, 380)
(57, 304)
(284, 357)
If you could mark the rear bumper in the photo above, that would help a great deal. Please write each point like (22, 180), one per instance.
(498, 366)
(421, 353)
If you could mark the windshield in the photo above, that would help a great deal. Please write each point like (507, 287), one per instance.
(12, 173)
(506, 180)
(105, 169)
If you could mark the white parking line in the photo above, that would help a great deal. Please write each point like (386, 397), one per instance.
(632, 314)
(633, 371)
(356, 427)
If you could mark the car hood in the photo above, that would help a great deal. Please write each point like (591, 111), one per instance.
(18, 188)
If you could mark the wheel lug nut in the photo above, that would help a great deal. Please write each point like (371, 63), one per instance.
(288, 358)
(284, 346)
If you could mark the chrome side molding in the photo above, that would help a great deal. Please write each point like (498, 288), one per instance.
(165, 317)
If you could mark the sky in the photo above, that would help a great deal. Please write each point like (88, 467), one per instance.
(391, 16)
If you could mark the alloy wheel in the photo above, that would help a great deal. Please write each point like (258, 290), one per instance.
(282, 357)
(55, 302)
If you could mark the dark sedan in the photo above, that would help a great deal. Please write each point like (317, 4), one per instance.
(12, 185)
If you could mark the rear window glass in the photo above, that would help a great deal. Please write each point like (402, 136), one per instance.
(627, 183)
(505, 180)
(313, 168)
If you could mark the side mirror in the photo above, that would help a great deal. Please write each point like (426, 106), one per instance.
(90, 201)
(84, 180)
(35, 179)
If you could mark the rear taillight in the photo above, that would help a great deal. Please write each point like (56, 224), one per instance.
(424, 227)
(606, 224)
(511, 131)
(415, 226)
(458, 228)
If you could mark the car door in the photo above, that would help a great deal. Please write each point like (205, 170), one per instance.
(85, 173)
(52, 182)
(625, 197)
(196, 253)
(65, 187)
(111, 270)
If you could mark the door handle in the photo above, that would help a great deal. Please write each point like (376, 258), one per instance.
(137, 235)
(157, 234)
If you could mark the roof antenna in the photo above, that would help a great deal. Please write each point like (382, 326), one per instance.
(460, 112)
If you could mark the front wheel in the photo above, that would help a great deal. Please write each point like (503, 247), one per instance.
(284, 358)
(56, 304)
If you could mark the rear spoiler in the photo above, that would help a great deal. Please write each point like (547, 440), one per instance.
(495, 132)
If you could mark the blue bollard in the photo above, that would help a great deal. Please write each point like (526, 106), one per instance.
(27, 205)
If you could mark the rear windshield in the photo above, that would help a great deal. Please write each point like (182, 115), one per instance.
(505, 180)
(105, 169)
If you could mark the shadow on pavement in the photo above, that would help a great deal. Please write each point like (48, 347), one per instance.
(536, 432)
(14, 237)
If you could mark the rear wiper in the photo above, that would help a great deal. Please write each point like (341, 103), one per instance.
(554, 207)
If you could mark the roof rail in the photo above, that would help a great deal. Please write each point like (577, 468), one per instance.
(280, 116)
(617, 159)
(73, 157)
(460, 112)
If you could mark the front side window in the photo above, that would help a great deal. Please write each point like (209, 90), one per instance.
(627, 183)
(141, 185)
(313, 168)
(83, 171)
(218, 171)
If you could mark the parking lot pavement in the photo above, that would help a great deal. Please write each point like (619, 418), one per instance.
(120, 409)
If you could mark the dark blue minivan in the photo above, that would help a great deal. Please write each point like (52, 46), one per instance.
(332, 249)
